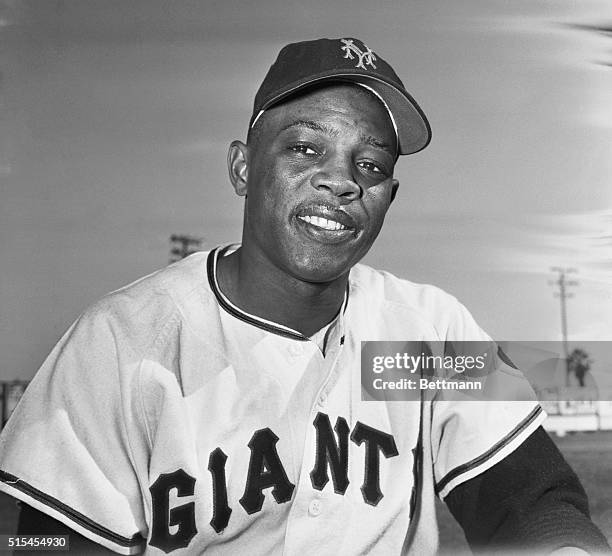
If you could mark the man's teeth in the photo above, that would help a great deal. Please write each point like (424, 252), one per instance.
(324, 223)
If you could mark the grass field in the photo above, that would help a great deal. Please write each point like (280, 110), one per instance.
(589, 453)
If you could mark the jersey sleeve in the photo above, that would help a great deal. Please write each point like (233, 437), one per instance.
(71, 447)
(514, 507)
(471, 434)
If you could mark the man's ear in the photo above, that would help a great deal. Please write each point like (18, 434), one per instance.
(395, 186)
(237, 164)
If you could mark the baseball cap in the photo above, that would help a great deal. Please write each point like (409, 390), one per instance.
(303, 64)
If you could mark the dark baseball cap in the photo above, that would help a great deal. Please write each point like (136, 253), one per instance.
(304, 64)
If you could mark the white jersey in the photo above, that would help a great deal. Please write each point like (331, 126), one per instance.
(167, 418)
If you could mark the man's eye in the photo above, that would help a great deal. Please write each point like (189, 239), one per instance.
(303, 149)
(371, 167)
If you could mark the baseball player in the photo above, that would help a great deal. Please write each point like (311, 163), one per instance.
(215, 406)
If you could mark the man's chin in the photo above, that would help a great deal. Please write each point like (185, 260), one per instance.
(320, 273)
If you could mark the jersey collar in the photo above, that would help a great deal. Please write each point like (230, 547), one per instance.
(235, 311)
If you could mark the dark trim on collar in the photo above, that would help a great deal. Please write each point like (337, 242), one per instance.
(225, 303)
(235, 311)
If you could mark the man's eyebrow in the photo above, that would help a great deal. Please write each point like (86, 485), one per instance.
(370, 140)
(317, 126)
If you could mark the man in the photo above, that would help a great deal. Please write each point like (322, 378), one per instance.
(216, 406)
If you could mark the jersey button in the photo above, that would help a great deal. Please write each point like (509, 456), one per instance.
(295, 350)
(314, 508)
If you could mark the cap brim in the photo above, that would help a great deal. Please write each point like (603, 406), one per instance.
(413, 129)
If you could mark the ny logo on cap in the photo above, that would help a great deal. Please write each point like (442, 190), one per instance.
(351, 48)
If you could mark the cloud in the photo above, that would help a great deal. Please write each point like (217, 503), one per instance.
(598, 29)
(581, 240)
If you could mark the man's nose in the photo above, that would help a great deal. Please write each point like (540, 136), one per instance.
(336, 177)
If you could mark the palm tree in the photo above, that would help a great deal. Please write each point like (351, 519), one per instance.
(579, 363)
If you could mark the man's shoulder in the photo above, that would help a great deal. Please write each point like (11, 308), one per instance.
(146, 305)
(401, 302)
(382, 286)
(166, 286)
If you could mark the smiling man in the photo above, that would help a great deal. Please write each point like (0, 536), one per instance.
(216, 405)
(317, 174)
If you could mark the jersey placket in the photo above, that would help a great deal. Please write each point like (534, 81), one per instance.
(309, 503)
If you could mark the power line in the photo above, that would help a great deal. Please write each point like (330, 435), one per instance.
(183, 245)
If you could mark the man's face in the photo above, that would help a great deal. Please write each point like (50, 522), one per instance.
(319, 182)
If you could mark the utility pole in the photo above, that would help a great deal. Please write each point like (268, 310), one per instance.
(563, 294)
(182, 245)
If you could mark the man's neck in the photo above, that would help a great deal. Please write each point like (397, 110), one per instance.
(258, 287)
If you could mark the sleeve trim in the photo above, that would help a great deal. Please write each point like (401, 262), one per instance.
(492, 455)
(18, 488)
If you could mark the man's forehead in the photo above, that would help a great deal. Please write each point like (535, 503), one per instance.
(302, 109)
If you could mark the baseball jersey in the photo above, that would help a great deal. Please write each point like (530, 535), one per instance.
(168, 419)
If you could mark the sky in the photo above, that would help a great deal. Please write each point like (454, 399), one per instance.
(115, 118)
